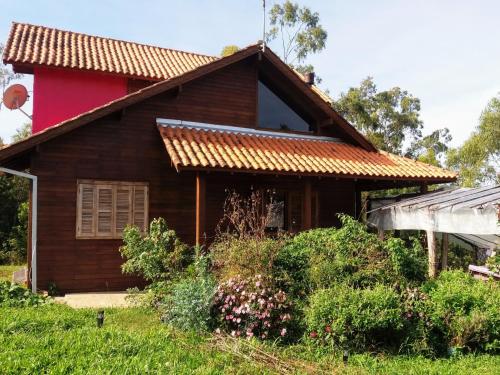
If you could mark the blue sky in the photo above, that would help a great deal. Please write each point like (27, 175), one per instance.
(447, 53)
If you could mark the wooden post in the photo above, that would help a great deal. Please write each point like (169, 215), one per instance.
(30, 223)
(431, 245)
(424, 189)
(200, 207)
(380, 234)
(307, 222)
(444, 252)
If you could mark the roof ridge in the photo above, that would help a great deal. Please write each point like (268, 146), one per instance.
(112, 39)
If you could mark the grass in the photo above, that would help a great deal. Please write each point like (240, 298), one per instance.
(56, 339)
(6, 271)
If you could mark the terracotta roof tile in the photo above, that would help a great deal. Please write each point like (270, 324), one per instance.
(191, 147)
(39, 45)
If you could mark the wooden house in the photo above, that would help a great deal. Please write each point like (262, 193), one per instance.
(181, 130)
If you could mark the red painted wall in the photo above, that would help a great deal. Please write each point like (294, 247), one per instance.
(61, 94)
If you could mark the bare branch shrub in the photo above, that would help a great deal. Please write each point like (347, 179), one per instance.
(244, 217)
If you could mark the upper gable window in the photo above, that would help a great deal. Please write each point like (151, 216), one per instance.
(274, 113)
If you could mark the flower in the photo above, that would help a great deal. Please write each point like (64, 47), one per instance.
(283, 332)
(328, 329)
(313, 334)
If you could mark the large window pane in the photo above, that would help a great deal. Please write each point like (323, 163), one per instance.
(274, 113)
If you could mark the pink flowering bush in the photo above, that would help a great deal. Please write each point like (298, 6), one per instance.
(251, 307)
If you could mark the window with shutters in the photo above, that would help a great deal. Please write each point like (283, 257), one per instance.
(105, 208)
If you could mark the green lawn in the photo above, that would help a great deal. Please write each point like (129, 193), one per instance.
(7, 270)
(57, 339)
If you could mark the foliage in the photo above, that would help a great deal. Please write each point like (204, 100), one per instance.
(298, 31)
(6, 74)
(465, 310)
(23, 132)
(233, 256)
(189, 304)
(18, 238)
(251, 307)
(229, 50)
(460, 256)
(358, 319)
(408, 262)
(387, 118)
(431, 148)
(158, 257)
(493, 262)
(13, 218)
(320, 257)
(242, 245)
(15, 295)
(478, 159)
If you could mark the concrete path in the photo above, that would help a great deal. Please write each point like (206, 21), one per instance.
(95, 300)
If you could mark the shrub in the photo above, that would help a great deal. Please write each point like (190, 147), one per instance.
(358, 319)
(246, 257)
(465, 310)
(318, 258)
(14, 295)
(250, 307)
(493, 262)
(409, 263)
(421, 337)
(189, 304)
(157, 257)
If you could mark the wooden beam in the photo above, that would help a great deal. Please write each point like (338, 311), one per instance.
(431, 245)
(307, 222)
(200, 208)
(444, 251)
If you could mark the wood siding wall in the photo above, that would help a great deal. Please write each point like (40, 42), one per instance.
(127, 147)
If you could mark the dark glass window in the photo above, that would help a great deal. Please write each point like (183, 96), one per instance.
(274, 113)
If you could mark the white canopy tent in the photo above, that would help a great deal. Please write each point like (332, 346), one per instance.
(472, 214)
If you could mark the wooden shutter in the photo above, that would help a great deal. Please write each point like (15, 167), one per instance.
(85, 211)
(123, 208)
(104, 210)
(140, 211)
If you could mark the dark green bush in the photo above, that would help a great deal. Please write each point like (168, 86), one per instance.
(465, 310)
(159, 256)
(358, 319)
(14, 295)
(320, 257)
(410, 263)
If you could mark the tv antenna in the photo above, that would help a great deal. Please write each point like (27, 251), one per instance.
(264, 26)
(14, 98)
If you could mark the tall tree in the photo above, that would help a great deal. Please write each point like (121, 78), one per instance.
(431, 149)
(478, 160)
(298, 33)
(22, 132)
(229, 50)
(387, 118)
(6, 74)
